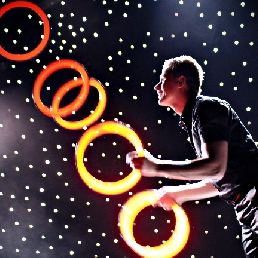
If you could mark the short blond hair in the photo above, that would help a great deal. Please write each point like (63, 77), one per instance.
(188, 67)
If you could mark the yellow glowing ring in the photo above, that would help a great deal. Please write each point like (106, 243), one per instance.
(73, 106)
(109, 188)
(92, 117)
(172, 246)
(43, 43)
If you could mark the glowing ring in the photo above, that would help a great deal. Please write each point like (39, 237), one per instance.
(43, 43)
(172, 246)
(92, 117)
(110, 188)
(73, 106)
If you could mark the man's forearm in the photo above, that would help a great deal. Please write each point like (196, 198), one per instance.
(198, 169)
(192, 192)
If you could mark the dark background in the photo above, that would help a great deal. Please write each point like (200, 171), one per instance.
(46, 210)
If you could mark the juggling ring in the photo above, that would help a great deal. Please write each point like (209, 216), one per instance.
(110, 188)
(172, 246)
(43, 43)
(73, 106)
(92, 117)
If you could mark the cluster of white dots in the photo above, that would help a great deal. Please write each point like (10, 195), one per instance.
(71, 49)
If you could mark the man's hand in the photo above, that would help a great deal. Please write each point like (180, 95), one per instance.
(166, 200)
(147, 164)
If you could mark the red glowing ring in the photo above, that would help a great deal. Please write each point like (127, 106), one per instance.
(43, 43)
(109, 188)
(172, 246)
(73, 106)
(92, 117)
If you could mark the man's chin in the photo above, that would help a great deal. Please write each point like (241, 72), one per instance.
(162, 103)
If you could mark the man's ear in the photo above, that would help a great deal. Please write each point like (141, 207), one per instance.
(181, 80)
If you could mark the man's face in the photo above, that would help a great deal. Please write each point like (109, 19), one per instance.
(166, 89)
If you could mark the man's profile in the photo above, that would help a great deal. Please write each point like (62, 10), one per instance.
(227, 156)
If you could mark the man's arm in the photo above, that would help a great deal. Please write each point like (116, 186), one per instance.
(184, 193)
(213, 165)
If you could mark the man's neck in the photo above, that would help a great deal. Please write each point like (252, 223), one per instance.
(179, 108)
(189, 105)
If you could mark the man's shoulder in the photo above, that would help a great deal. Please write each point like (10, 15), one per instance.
(209, 105)
(204, 98)
(206, 101)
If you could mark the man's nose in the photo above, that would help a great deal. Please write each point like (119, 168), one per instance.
(157, 86)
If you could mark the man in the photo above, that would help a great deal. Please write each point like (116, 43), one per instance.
(227, 157)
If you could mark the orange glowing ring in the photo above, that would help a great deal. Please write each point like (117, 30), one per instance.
(43, 43)
(92, 117)
(109, 188)
(73, 106)
(172, 246)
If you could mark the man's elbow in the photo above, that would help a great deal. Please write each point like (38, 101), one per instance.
(218, 171)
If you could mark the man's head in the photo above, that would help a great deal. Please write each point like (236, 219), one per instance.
(181, 78)
(189, 68)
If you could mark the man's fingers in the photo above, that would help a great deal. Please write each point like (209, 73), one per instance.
(137, 163)
(133, 160)
(155, 205)
(130, 156)
(164, 201)
(165, 206)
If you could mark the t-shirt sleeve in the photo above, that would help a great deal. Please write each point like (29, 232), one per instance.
(213, 122)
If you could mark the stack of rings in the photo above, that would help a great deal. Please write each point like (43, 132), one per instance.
(108, 127)
(85, 82)
(139, 201)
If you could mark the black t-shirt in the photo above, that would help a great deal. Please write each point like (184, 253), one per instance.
(209, 119)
